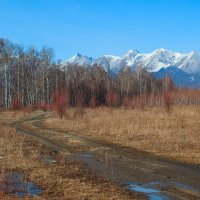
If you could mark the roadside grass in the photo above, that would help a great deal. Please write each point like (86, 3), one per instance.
(61, 180)
(174, 134)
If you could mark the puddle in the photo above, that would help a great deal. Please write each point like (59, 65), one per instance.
(150, 189)
(14, 183)
(153, 190)
(139, 188)
(147, 189)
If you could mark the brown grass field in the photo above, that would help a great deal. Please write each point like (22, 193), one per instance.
(174, 135)
(58, 181)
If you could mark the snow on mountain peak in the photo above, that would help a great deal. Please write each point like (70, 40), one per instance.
(184, 68)
(131, 52)
(153, 61)
(194, 53)
(190, 63)
(79, 59)
(160, 50)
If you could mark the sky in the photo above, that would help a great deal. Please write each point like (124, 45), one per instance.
(98, 27)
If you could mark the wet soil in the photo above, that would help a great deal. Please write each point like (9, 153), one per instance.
(15, 184)
(139, 171)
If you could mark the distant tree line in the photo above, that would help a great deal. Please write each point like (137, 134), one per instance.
(26, 75)
(29, 77)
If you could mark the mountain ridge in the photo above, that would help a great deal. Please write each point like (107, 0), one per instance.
(156, 62)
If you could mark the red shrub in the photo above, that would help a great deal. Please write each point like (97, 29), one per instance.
(61, 101)
(16, 103)
(112, 99)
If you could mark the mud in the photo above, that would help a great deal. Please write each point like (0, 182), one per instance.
(133, 169)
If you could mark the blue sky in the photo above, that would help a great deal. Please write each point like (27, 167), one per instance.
(96, 27)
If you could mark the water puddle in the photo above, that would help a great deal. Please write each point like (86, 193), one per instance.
(150, 190)
(153, 190)
(147, 189)
(13, 183)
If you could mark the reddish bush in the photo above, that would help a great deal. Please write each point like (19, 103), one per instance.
(61, 101)
(112, 99)
(16, 103)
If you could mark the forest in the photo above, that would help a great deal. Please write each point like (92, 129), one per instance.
(32, 78)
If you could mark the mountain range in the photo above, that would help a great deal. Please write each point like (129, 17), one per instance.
(184, 69)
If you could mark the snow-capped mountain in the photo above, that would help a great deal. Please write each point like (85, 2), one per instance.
(184, 69)
(78, 59)
(111, 63)
(189, 62)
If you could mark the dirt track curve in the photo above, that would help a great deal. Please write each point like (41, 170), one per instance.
(139, 171)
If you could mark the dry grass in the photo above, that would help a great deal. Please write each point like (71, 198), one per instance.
(175, 135)
(61, 180)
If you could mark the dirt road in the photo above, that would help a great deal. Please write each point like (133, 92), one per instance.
(139, 171)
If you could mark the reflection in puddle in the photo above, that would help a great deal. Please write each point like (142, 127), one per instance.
(138, 188)
(154, 190)
(147, 189)
(14, 183)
